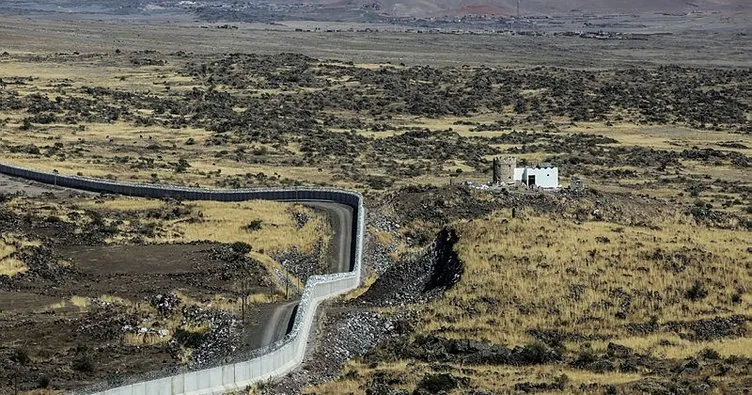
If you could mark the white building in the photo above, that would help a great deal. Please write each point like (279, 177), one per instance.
(542, 176)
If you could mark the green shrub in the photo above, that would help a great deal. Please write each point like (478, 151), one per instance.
(241, 247)
(696, 292)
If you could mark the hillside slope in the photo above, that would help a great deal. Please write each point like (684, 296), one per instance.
(428, 8)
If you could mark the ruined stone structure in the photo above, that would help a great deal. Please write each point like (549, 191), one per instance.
(503, 170)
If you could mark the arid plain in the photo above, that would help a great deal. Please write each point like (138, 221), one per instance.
(638, 282)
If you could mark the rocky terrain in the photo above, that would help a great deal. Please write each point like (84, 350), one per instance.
(87, 297)
(408, 357)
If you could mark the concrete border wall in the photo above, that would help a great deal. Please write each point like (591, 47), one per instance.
(274, 360)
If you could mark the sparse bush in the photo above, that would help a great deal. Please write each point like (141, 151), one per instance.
(182, 166)
(20, 355)
(241, 247)
(43, 382)
(351, 375)
(435, 383)
(536, 353)
(187, 338)
(84, 363)
(710, 353)
(255, 225)
(561, 381)
(26, 125)
(696, 292)
(736, 298)
(586, 356)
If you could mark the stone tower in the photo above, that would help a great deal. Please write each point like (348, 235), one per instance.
(503, 170)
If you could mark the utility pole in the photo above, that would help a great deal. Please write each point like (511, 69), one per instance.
(245, 291)
(518, 9)
(243, 295)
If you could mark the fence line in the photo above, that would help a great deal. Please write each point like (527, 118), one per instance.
(274, 360)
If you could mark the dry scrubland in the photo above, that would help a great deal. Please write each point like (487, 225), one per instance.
(270, 228)
(198, 221)
(237, 120)
(562, 303)
(96, 288)
(646, 300)
(541, 272)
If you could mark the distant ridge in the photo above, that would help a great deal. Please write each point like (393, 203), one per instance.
(440, 8)
(376, 10)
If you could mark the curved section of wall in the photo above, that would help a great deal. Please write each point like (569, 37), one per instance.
(274, 360)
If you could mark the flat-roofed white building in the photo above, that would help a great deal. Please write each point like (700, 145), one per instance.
(542, 176)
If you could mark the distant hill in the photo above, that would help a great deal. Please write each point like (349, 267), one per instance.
(438, 8)
(371, 10)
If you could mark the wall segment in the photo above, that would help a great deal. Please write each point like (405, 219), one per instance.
(274, 360)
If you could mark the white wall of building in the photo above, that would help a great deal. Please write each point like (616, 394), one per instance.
(518, 172)
(545, 177)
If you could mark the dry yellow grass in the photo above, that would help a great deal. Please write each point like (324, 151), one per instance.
(41, 209)
(44, 391)
(79, 303)
(495, 378)
(544, 273)
(226, 222)
(364, 286)
(671, 346)
(9, 266)
(123, 204)
(118, 140)
(115, 300)
(354, 386)
(385, 239)
(272, 266)
(6, 249)
(343, 387)
(213, 221)
(226, 304)
(19, 240)
(142, 339)
(669, 137)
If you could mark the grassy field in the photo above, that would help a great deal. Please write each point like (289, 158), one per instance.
(228, 222)
(593, 284)
(545, 273)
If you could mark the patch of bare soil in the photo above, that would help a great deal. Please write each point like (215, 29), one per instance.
(11, 185)
(137, 271)
(85, 312)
